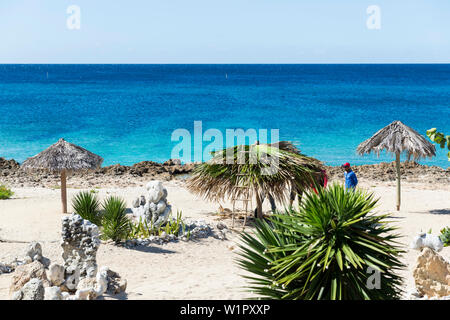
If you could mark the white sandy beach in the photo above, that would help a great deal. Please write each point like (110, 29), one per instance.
(204, 269)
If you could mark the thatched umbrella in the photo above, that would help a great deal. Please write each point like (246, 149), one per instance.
(398, 138)
(219, 178)
(63, 157)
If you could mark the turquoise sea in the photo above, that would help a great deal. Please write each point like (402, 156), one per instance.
(127, 113)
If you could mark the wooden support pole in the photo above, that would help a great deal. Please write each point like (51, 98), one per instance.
(64, 190)
(259, 206)
(397, 164)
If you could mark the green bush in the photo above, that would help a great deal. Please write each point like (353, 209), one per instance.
(87, 205)
(142, 229)
(5, 192)
(445, 236)
(115, 223)
(440, 138)
(324, 250)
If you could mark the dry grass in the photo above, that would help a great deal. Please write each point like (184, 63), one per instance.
(398, 138)
(218, 179)
(63, 155)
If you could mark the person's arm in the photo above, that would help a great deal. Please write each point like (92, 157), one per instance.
(354, 180)
(346, 181)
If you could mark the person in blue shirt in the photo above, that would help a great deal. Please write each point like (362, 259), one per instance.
(350, 177)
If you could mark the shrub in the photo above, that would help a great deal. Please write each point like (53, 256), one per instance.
(445, 236)
(115, 223)
(324, 250)
(142, 229)
(439, 138)
(5, 192)
(174, 226)
(87, 205)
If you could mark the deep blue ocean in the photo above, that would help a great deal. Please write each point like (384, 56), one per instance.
(127, 113)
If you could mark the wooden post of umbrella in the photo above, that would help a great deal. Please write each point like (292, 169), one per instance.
(259, 213)
(397, 165)
(64, 190)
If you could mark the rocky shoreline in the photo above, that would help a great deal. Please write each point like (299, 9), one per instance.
(386, 171)
(123, 176)
(109, 176)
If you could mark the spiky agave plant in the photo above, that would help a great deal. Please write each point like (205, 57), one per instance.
(87, 205)
(324, 250)
(115, 223)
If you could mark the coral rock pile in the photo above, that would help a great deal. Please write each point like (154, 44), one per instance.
(154, 209)
(432, 272)
(76, 279)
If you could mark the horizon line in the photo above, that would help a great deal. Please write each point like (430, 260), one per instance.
(226, 63)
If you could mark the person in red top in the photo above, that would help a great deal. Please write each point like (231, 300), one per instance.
(322, 182)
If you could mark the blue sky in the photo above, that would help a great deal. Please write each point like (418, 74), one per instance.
(225, 31)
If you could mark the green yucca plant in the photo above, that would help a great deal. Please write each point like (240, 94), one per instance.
(324, 250)
(115, 223)
(87, 205)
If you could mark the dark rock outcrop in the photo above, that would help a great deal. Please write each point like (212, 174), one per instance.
(385, 171)
(136, 174)
(117, 174)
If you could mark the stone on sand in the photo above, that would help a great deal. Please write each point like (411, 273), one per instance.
(432, 274)
(24, 273)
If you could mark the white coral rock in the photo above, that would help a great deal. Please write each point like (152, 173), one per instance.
(55, 274)
(155, 191)
(427, 240)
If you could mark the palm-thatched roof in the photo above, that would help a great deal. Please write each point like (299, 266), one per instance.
(398, 138)
(286, 146)
(220, 179)
(63, 156)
